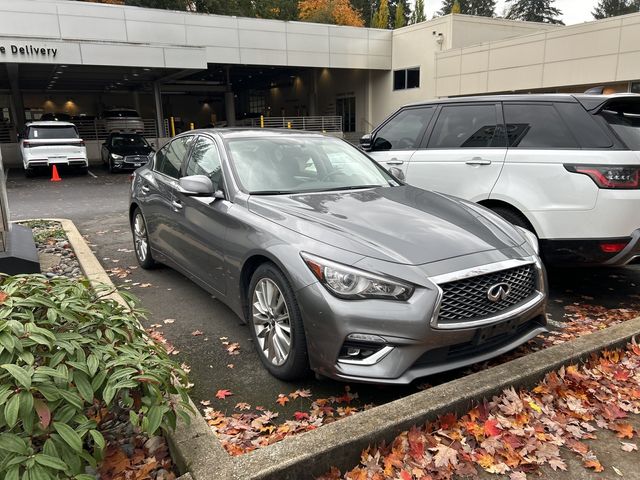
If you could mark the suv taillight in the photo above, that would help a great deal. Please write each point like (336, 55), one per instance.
(82, 143)
(622, 177)
(26, 144)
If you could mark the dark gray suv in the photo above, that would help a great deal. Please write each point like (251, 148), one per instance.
(335, 264)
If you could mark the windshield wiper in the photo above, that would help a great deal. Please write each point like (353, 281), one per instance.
(352, 187)
(273, 192)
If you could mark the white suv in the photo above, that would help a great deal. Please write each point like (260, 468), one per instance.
(52, 143)
(566, 167)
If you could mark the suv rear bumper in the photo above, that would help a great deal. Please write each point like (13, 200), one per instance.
(588, 252)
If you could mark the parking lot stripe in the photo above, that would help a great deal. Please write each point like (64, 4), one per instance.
(91, 173)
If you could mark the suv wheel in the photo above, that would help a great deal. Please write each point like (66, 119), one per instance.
(276, 324)
(141, 240)
(29, 172)
(514, 217)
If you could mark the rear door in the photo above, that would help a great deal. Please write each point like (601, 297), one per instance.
(161, 209)
(394, 143)
(464, 152)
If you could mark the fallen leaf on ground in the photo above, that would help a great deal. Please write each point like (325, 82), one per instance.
(196, 333)
(282, 399)
(222, 394)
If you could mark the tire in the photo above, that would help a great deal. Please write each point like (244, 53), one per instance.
(29, 172)
(268, 325)
(141, 245)
(83, 170)
(514, 217)
(110, 166)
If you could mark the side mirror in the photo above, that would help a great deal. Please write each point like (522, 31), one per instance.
(381, 144)
(196, 185)
(365, 142)
(396, 172)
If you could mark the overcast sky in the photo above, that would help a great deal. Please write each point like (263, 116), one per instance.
(573, 11)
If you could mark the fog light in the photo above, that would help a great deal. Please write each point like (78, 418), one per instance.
(612, 247)
(353, 352)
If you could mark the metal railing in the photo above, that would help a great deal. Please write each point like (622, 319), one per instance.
(331, 123)
(6, 132)
(95, 129)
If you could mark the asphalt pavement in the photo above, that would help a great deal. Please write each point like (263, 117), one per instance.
(198, 325)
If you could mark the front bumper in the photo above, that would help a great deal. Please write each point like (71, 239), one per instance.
(588, 252)
(408, 344)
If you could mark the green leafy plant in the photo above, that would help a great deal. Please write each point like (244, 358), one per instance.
(69, 358)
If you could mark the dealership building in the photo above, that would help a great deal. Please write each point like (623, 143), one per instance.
(182, 70)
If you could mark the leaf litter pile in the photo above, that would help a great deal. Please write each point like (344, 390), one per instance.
(517, 432)
(243, 431)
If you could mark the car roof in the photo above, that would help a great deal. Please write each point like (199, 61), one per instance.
(589, 101)
(50, 123)
(250, 132)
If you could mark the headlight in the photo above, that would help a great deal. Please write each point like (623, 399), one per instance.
(531, 239)
(115, 156)
(351, 283)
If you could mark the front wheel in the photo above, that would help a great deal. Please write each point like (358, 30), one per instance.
(276, 324)
(141, 240)
(514, 217)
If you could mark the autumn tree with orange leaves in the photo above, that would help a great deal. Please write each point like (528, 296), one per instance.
(337, 12)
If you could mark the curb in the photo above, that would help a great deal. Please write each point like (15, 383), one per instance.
(196, 449)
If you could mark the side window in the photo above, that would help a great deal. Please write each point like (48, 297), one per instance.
(536, 126)
(205, 160)
(159, 157)
(404, 131)
(583, 126)
(173, 155)
(467, 126)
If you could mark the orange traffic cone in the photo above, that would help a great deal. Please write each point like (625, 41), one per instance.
(54, 175)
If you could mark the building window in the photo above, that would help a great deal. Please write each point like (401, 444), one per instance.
(407, 78)
(257, 103)
(346, 108)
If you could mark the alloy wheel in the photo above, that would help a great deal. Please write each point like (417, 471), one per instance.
(271, 321)
(140, 237)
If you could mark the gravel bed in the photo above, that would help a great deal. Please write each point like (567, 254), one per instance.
(57, 256)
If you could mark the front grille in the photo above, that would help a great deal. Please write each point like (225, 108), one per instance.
(136, 159)
(467, 299)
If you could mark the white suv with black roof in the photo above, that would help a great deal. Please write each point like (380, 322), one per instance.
(48, 143)
(566, 167)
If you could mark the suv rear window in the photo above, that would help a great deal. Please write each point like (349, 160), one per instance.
(626, 126)
(49, 133)
(531, 125)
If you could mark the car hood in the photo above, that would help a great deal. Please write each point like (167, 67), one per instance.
(131, 150)
(400, 224)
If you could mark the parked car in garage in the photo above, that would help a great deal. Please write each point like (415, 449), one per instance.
(566, 167)
(44, 144)
(123, 120)
(125, 151)
(335, 265)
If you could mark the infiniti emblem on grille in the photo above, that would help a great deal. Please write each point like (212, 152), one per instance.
(499, 291)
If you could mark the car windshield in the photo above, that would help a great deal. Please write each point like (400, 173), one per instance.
(46, 133)
(296, 164)
(121, 114)
(124, 141)
(626, 125)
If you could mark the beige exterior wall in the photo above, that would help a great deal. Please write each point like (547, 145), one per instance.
(602, 52)
(417, 46)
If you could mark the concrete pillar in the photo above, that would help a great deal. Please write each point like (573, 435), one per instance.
(157, 97)
(17, 103)
(136, 100)
(229, 101)
(230, 108)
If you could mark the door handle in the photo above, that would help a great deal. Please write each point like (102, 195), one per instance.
(176, 205)
(478, 161)
(394, 161)
(144, 189)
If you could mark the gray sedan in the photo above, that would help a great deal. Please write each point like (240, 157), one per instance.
(334, 263)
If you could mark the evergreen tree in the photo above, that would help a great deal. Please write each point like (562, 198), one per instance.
(406, 11)
(481, 8)
(456, 7)
(613, 8)
(399, 20)
(418, 14)
(366, 8)
(534, 11)
(381, 17)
